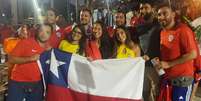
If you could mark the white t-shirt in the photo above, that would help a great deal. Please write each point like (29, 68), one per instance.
(196, 22)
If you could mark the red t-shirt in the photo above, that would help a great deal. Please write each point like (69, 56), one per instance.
(68, 29)
(174, 44)
(32, 32)
(136, 20)
(92, 50)
(59, 35)
(111, 31)
(5, 32)
(27, 72)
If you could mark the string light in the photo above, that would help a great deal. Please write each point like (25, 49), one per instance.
(38, 11)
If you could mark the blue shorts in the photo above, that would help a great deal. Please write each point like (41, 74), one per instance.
(181, 93)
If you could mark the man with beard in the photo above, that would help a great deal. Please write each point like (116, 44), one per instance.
(25, 81)
(148, 34)
(85, 19)
(178, 49)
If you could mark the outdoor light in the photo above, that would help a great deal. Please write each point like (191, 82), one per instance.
(38, 9)
(3, 14)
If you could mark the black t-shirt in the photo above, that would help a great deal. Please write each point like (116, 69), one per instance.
(148, 35)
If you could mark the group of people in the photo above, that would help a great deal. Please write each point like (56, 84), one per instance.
(158, 35)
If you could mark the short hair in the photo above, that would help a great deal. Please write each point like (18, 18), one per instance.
(85, 9)
(146, 2)
(45, 24)
(121, 11)
(166, 4)
(54, 10)
(39, 27)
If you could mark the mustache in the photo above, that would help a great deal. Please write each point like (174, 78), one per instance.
(94, 32)
(162, 21)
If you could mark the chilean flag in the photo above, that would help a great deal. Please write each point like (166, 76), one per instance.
(70, 77)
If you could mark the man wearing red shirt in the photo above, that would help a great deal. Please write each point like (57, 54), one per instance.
(178, 49)
(25, 80)
(120, 20)
(58, 34)
(85, 20)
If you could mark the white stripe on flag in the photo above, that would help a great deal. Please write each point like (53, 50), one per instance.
(41, 71)
(121, 78)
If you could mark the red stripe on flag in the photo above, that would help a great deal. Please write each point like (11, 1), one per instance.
(56, 93)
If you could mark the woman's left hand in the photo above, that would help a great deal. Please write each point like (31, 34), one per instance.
(146, 57)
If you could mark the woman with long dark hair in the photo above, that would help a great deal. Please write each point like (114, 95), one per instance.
(100, 46)
(124, 47)
(75, 41)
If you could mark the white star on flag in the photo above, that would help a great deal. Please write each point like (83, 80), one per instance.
(47, 62)
(55, 64)
(181, 98)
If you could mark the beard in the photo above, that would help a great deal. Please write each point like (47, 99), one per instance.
(120, 24)
(165, 23)
(84, 22)
(147, 16)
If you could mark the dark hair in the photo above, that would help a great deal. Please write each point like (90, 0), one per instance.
(166, 4)
(106, 47)
(117, 43)
(61, 21)
(151, 3)
(85, 9)
(104, 29)
(82, 41)
(20, 28)
(54, 10)
(123, 12)
(40, 26)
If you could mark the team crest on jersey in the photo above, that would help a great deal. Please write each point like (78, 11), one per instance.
(170, 38)
(58, 34)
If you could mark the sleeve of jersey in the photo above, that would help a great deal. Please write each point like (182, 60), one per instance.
(187, 40)
(19, 49)
(68, 29)
(88, 50)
